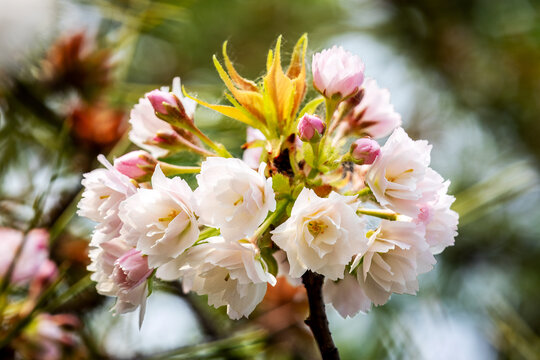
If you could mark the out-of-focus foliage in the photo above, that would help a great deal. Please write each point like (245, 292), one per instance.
(464, 74)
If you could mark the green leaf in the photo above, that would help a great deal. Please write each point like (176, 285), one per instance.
(311, 106)
(280, 184)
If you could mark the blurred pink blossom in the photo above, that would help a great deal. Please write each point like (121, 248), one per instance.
(34, 253)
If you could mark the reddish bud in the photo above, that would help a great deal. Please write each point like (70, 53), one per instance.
(365, 151)
(158, 98)
(311, 128)
(136, 164)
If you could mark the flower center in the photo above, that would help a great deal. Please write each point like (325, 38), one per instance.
(316, 227)
(393, 178)
(239, 201)
(172, 214)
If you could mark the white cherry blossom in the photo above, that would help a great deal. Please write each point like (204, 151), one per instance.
(231, 273)
(397, 254)
(160, 221)
(347, 296)
(104, 190)
(105, 266)
(439, 220)
(400, 177)
(233, 197)
(322, 234)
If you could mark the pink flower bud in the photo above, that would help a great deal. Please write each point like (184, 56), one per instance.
(136, 164)
(365, 151)
(337, 73)
(131, 269)
(311, 128)
(158, 97)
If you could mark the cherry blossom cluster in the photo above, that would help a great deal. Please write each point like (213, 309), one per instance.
(313, 184)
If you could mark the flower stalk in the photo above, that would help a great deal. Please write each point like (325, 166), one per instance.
(173, 170)
(383, 214)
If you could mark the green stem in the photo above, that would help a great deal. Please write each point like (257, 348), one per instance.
(218, 148)
(67, 295)
(383, 214)
(206, 233)
(331, 106)
(292, 160)
(316, 154)
(171, 170)
(281, 206)
(365, 191)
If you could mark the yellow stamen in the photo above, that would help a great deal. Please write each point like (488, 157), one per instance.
(170, 216)
(316, 227)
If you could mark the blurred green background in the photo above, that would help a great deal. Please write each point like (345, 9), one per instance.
(465, 75)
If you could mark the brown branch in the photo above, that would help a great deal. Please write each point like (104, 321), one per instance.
(317, 321)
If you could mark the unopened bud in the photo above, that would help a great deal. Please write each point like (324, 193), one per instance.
(136, 164)
(158, 97)
(311, 128)
(337, 73)
(365, 151)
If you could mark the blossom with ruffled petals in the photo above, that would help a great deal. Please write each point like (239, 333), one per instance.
(231, 273)
(104, 190)
(347, 296)
(160, 221)
(233, 197)
(400, 177)
(374, 115)
(439, 220)
(322, 234)
(397, 254)
(106, 268)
